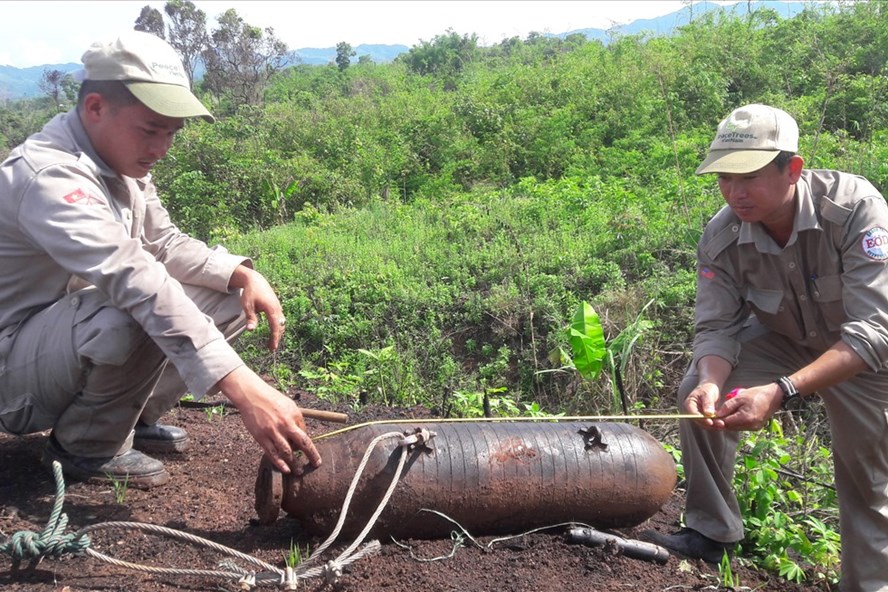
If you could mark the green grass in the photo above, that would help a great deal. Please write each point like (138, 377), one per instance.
(405, 303)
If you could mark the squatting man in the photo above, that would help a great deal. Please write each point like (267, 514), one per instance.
(792, 299)
(108, 312)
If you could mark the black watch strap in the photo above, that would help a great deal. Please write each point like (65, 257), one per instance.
(790, 392)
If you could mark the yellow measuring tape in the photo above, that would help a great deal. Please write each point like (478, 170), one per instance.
(504, 419)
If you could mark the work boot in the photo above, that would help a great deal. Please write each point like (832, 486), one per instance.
(690, 543)
(131, 468)
(159, 438)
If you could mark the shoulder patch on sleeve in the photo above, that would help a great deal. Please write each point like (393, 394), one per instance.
(706, 272)
(81, 196)
(875, 243)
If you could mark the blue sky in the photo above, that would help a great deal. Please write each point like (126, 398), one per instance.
(34, 33)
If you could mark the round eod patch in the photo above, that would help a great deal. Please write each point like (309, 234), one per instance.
(875, 243)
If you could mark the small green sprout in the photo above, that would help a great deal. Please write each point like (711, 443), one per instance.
(296, 555)
(120, 487)
(215, 411)
(726, 574)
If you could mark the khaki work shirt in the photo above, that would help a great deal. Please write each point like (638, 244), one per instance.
(68, 221)
(828, 283)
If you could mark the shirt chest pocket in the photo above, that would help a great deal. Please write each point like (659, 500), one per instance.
(768, 307)
(827, 293)
(767, 301)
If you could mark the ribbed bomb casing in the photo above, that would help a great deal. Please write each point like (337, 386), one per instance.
(489, 477)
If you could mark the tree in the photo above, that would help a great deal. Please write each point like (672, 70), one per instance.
(242, 58)
(150, 21)
(446, 55)
(187, 32)
(344, 53)
(52, 84)
(70, 87)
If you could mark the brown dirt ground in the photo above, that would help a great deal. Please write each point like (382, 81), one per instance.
(211, 495)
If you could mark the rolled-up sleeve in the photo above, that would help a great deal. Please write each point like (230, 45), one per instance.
(865, 281)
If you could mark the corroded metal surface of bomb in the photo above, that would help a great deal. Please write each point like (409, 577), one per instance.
(489, 477)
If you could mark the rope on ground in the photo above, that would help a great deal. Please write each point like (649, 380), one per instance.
(333, 569)
(51, 542)
(232, 573)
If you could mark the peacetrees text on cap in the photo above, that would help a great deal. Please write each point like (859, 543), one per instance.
(750, 138)
(151, 70)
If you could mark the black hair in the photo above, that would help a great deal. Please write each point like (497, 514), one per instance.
(113, 91)
(782, 159)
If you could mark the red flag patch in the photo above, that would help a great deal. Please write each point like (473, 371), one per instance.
(707, 273)
(79, 195)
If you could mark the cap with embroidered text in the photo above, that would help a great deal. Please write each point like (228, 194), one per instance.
(750, 138)
(150, 68)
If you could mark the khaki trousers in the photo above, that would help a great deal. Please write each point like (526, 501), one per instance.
(858, 418)
(89, 372)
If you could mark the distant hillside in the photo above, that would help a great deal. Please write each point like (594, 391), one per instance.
(16, 83)
(666, 24)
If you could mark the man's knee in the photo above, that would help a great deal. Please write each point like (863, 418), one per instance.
(231, 319)
(224, 308)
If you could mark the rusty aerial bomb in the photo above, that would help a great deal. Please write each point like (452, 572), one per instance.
(489, 477)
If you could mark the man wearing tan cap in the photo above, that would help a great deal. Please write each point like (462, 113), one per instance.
(110, 313)
(792, 299)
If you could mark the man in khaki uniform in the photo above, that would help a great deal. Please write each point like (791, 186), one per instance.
(803, 251)
(110, 313)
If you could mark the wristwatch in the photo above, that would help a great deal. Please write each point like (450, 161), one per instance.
(790, 392)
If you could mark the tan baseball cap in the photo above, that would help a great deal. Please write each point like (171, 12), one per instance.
(151, 70)
(750, 138)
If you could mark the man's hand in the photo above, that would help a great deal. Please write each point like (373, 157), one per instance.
(748, 409)
(272, 418)
(257, 296)
(751, 408)
(701, 401)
